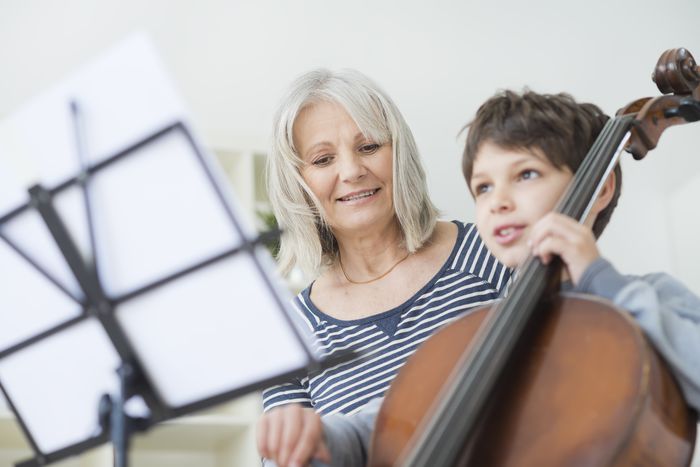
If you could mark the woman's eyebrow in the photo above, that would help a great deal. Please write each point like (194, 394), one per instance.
(314, 147)
(362, 137)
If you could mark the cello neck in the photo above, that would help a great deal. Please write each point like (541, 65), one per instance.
(600, 161)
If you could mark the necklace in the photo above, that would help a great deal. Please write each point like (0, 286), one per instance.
(340, 261)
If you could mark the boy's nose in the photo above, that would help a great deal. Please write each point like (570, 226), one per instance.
(501, 202)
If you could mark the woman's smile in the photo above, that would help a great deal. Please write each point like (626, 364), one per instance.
(359, 197)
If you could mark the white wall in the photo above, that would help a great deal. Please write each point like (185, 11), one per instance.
(438, 60)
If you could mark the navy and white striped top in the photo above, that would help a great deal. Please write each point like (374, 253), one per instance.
(470, 277)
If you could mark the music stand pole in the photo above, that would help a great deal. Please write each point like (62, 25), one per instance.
(112, 415)
(115, 420)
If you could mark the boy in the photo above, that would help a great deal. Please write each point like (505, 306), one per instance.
(520, 155)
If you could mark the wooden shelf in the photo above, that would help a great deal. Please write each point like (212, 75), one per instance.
(198, 432)
(11, 437)
(219, 436)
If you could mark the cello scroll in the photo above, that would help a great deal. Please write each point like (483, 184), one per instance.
(678, 75)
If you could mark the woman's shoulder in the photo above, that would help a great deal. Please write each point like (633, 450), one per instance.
(471, 256)
(451, 236)
(304, 308)
(446, 235)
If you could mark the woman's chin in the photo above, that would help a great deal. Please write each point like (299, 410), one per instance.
(364, 221)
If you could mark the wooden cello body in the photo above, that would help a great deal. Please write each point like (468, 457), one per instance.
(545, 379)
(586, 391)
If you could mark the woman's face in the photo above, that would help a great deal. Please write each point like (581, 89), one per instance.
(350, 174)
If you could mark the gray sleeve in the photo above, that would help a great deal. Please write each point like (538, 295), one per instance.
(665, 309)
(347, 437)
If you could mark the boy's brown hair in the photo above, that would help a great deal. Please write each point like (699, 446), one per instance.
(556, 124)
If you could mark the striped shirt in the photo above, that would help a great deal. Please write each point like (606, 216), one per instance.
(470, 277)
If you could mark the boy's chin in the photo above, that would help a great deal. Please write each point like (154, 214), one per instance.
(511, 257)
(512, 261)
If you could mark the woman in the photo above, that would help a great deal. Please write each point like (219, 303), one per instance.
(347, 187)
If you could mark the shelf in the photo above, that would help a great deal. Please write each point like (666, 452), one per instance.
(11, 437)
(198, 432)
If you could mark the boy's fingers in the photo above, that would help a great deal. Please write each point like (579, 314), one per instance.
(548, 247)
(554, 224)
(576, 256)
(567, 239)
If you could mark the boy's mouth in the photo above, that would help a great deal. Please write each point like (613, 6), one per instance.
(506, 234)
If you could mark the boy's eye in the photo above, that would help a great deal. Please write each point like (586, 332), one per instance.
(481, 188)
(529, 174)
(369, 148)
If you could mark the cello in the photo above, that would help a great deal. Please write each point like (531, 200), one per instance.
(544, 378)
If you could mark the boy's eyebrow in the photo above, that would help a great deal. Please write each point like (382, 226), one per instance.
(476, 175)
(521, 160)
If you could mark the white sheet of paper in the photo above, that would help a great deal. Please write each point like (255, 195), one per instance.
(56, 386)
(29, 302)
(29, 232)
(156, 212)
(12, 191)
(124, 95)
(211, 332)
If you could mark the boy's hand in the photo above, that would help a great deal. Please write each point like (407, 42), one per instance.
(291, 436)
(574, 243)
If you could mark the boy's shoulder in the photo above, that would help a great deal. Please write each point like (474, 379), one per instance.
(669, 287)
(603, 279)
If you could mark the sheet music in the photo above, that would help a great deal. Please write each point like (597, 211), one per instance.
(57, 386)
(214, 341)
(29, 303)
(156, 211)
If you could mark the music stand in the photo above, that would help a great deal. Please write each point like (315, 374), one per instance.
(128, 274)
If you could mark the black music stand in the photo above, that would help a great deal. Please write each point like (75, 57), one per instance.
(168, 323)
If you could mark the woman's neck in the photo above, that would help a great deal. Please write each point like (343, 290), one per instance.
(369, 254)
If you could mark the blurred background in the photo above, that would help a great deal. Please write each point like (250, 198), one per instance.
(438, 60)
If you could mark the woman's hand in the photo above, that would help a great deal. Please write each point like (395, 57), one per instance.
(574, 243)
(292, 435)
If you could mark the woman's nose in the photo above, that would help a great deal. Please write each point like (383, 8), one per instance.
(351, 167)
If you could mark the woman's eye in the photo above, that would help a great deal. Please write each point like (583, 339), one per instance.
(369, 148)
(322, 161)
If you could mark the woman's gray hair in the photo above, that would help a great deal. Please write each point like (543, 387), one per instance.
(308, 241)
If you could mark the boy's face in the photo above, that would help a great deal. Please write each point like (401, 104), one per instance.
(513, 189)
